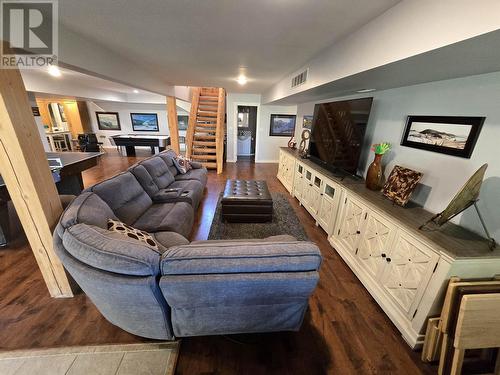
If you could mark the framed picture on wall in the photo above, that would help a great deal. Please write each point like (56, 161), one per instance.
(108, 120)
(451, 135)
(307, 122)
(182, 121)
(282, 125)
(144, 122)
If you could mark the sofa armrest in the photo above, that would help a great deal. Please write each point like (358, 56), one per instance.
(224, 257)
(110, 251)
(166, 195)
(196, 165)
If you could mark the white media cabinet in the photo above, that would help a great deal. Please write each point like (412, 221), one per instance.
(405, 269)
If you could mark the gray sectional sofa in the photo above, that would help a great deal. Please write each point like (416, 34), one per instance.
(181, 289)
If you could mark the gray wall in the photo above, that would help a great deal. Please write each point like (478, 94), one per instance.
(443, 175)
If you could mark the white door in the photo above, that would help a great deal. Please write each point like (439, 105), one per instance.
(409, 267)
(375, 244)
(350, 228)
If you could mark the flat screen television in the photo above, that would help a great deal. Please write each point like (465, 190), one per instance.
(337, 134)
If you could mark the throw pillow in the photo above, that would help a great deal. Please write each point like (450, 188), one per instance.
(182, 164)
(136, 234)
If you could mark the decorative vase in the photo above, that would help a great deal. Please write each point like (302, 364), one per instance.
(374, 174)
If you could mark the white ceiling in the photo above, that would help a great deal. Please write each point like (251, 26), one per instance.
(473, 56)
(84, 86)
(207, 42)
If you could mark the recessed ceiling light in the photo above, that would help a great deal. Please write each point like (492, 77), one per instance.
(136, 91)
(365, 90)
(242, 80)
(54, 71)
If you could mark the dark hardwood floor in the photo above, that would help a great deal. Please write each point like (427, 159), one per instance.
(344, 332)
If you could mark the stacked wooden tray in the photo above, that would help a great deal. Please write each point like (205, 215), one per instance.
(470, 319)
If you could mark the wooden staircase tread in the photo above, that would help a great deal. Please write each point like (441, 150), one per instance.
(206, 114)
(204, 143)
(209, 165)
(203, 151)
(205, 123)
(204, 157)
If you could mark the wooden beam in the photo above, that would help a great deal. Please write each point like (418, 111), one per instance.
(192, 121)
(24, 168)
(173, 124)
(221, 129)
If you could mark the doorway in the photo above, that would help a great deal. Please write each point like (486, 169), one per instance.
(247, 127)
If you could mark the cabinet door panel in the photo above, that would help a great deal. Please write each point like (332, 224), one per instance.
(325, 214)
(350, 228)
(377, 237)
(408, 269)
(298, 185)
(315, 201)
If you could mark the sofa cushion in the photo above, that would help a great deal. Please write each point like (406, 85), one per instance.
(110, 251)
(168, 158)
(194, 174)
(170, 239)
(159, 171)
(241, 257)
(125, 196)
(142, 175)
(133, 233)
(175, 217)
(87, 208)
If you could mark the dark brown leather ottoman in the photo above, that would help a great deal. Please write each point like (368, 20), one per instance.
(247, 201)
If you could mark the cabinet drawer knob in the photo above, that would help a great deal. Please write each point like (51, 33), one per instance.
(383, 255)
(358, 232)
(388, 260)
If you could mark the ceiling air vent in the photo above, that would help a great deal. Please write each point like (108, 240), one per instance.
(300, 78)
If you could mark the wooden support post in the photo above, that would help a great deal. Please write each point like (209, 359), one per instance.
(173, 125)
(193, 118)
(221, 129)
(24, 168)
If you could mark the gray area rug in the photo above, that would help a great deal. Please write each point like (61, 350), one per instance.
(284, 222)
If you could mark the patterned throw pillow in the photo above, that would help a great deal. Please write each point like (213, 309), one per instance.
(400, 184)
(182, 164)
(136, 234)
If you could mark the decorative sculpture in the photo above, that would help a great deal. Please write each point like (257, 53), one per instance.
(306, 134)
(466, 197)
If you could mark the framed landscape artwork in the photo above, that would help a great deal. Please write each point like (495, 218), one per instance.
(144, 122)
(108, 120)
(451, 135)
(282, 125)
(307, 122)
